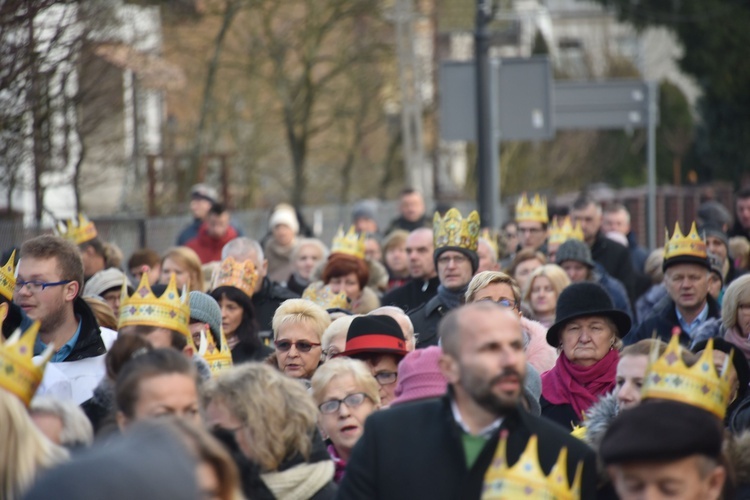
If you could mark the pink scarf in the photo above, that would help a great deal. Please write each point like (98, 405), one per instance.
(579, 386)
(741, 342)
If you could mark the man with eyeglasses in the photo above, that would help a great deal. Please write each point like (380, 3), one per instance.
(456, 260)
(380, 343)
(48, 288)
(442, 448)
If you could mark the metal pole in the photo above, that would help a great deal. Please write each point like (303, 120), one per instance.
(651, 155)
(486, 189)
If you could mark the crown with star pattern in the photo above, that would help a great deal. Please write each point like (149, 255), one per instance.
(455, 231)
(20, 374)
(217, 357)
(349, 243)
(171, 310)
(700, 385)
(78, 230)
(560, 233)
(534, 211)
(8, 277)
(526, 479)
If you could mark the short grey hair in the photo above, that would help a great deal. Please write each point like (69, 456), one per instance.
(242, 249)
(308, 242)
(398, 314)
(76, 427)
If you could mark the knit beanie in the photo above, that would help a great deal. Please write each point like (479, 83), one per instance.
(205, 309)
(284, 214)
(576, 251)
(419, 376)
(471, 255)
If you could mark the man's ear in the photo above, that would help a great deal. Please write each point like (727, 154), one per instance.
(449, 367)
(71, 290)
(715, 481)
(3, 311)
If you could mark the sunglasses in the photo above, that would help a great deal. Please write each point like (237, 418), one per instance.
(301, 345)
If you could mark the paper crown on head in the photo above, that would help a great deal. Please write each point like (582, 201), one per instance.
(78, 230)
(534, 211)
(560, 233)
(217, 357)
(171, 310)
(526, 479)
(685, 249)
(352, 243)
(455, 231)
(20, 374)
(8, 277)
(701, 385)
(326, 298)
(241, 275)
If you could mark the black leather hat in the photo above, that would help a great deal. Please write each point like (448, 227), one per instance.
(585, 299)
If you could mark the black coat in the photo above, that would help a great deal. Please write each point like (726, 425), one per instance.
(615, 259)
(266, 301)
(89, 343)
(663, 320)
(243, 353)
(407, 225)
(426, 319)
(416, 451)
(411, 295)
(562, 414)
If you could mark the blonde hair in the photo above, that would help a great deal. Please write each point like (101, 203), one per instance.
(395, 238)
(739, 251)
(487, 278)
(554, 273)
(338, 328)
(653, 266)
(278, 414)
(102, 312)
(737, 292)
(309, 242)
(25, 451)
(341, 367)
(187, 258)
(300, 311)
(400, 316)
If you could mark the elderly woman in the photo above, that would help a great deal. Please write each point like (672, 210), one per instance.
(346, 394)
(333, 340)
(273, 419)
(500, 288)
(587, 330)
(542, 290)
(306, 255)
(186, 266)
(350, 274)
(298, 326)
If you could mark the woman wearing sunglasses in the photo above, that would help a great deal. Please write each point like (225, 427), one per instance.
(346, 394)
(298, 326)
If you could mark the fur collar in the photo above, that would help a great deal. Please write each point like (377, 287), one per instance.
(598, 418)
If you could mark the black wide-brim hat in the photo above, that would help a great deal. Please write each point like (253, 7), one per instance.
(585, 299)
(374, 334)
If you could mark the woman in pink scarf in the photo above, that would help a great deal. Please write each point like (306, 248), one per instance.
(587, 330)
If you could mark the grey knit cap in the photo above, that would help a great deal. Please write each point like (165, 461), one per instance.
(574, 250)
(205, 309)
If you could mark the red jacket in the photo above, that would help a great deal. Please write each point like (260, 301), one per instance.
(209, 248)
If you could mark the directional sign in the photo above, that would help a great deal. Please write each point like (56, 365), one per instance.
(601, 105)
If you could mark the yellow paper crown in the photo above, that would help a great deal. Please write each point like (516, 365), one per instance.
(526, 479)
(241, 275)
(78, 231)
(536, 211)
(218, 358)
(351, 243)
(668, 377)
(19, 373)
(325, 298)
(455, 231)
(560, 233)
(680, 245)
(171, 310)
(8, 277)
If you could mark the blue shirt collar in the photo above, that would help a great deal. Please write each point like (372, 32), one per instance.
(689, 327)
(63, 352)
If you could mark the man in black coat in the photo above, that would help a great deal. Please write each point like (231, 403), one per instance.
(441, 449)
(424, 281)
(411, 212)
(686, 276)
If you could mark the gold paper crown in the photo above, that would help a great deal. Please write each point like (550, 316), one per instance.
(526, 479)
(560, 233)
(20, 374)
(218, 358)
(455, 231)
(351, 243)
(241, 275)
(8, 277)
(536, 211)
(668, 377)
(690, 245)
(325, 298)
(171, 310)
(78, 231)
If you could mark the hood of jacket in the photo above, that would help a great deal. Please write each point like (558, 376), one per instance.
(598, 418)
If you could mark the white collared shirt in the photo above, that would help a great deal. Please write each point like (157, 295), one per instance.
(485, 433)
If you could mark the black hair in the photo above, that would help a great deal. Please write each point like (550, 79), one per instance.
(247, 331)
(217, 209)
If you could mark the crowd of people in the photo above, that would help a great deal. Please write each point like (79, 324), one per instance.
(553, 357)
